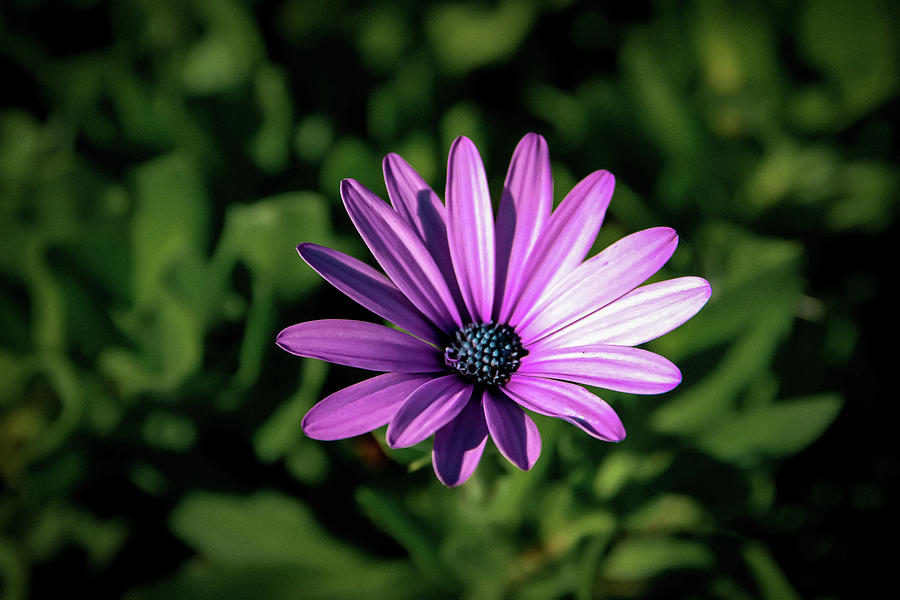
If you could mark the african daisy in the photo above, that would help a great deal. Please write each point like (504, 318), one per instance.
(498, 315)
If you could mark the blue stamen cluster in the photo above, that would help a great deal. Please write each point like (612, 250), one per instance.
(485, 353)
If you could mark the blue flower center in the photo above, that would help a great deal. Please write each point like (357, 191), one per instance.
(485, 353)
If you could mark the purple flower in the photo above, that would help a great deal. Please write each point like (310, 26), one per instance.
(501, 315)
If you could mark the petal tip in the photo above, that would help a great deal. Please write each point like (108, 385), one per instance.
(463, 143)
(350, 186)
(391, 162)
(534, 138)
(308, 427)
(281, 339)
(673, 379)
(391, 436)
(451, 480)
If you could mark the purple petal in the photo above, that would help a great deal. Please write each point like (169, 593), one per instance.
(564, 241)
(595, 283)
(427, 409)
(360, 408)
(360, 344)
(514, 433)
(618, 368)
(420, 207)
(416, 202)
(369, 288)
(640, 316)
(458, 445)
(524, 208)
(569, 402)
(470, 228)
(401, 254)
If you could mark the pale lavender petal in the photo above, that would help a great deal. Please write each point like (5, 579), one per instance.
(524, 208)
(513, 432)
(401, 254)
(418, 205)
(360, 344)
(459, 444)
(470, 228)
(617, 368)
(595, 283)
(369, 288)
(640, 316)
(564, 241)
(427, 409)
(569, 402)
(360, 408)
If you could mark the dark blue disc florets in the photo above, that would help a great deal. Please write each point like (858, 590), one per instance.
(485, 353)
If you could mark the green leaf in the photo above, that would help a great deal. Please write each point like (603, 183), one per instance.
(743, 365)
(377, 580)
(393, 518)
(350, 157)
(170, 221)
(170, 346)
(307, 462)
(853, 44)
(770, 579)
(225, 57)
(464, 118)
(270, 147)
(466, 36)
(621, 466)
(314, 136)
(867, 197)
(265, 529)
(661, 106)
(645, 557)
(735, 46)
(561, 109)
(264, 236)
(169, 431)
(774, 430)
(384, 35)
(667, 513)
(280, 432)
(134, 106)
(269, 545)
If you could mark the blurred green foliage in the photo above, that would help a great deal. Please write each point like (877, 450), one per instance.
(160, 160)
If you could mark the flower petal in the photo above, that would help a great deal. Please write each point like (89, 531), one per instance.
(416, 202)
(595, 283)
(360, 344)
(637, 317)
(470, 228)
(418, 205)
(618, 368)
(361, 407)
(427, 409)
(459, 444)
(524, 208)
(401, 254)
(569, 402)
(514, 433)
(369, 288)
(564, 242)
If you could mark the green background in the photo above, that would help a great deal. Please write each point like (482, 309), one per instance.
(160, 160)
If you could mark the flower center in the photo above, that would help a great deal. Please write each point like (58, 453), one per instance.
(485, 353)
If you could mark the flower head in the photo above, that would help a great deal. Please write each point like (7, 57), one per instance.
(502, 315)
